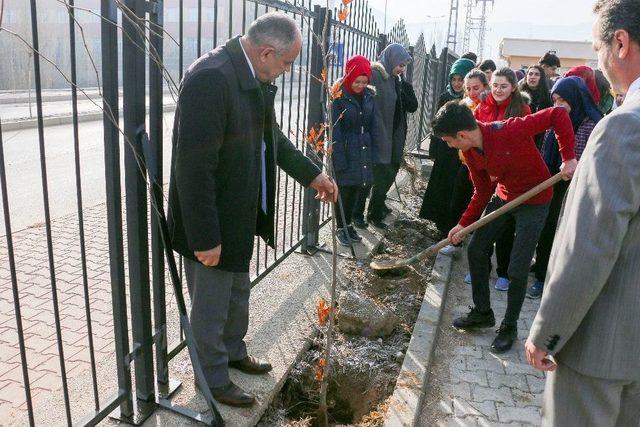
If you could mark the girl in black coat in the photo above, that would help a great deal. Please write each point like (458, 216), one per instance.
(353, 147)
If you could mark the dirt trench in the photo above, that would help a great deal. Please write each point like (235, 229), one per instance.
(364, 370)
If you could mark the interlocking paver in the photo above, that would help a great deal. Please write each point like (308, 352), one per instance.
(469, 385)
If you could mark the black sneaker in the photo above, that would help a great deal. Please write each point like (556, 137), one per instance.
(507, 334)
(343, 237)
(353, 234)
(475, 320)
(379, 224)
(360, 223)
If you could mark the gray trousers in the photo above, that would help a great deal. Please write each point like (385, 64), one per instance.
(219, 317)
(573, 399)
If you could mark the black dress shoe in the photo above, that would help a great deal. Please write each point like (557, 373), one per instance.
(503, 342)
(231, 395)
(475, 319)
(251, 365)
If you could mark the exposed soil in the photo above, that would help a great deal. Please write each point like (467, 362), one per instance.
(364, 371)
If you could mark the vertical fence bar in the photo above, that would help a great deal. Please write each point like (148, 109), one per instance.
(199, 41)
(47, 214)
(133, 90)
(156, 17)
(181, 39)
(215, 23)
(83, 254)
(109, 39)
(425, 77)
(231, 18)
(14, 283)
(311, 210)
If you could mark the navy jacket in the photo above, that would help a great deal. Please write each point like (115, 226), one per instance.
(354, 138)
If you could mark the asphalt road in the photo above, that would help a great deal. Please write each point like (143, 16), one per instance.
(24, 179)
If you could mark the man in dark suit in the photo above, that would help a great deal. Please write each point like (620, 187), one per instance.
(226, 146)
(589, 317)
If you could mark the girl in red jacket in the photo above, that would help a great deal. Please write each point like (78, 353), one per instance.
(504, 101)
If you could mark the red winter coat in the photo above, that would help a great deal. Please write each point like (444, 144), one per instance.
(510, 161)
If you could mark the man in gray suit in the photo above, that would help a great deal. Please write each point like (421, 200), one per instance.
(589, 317)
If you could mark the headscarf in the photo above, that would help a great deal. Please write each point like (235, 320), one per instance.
(575, 92)
(356, 66)
(394, 55)
(520, 74)
(461, 67)
(589, 77)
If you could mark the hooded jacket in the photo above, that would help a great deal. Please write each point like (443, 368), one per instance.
(394, 99)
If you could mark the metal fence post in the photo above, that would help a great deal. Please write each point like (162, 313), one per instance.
(382, 43)
(109, 43)
(315, 117)
(134, 115)
(425, 81)
(409, 74)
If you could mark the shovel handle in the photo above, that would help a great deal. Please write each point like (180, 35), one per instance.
(493, 215)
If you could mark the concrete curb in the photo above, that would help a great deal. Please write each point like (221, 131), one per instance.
(63, 120)
(406, 401)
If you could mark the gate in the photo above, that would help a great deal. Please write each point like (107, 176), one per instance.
(84, 324)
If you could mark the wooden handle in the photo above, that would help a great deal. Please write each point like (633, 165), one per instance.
(495, 214)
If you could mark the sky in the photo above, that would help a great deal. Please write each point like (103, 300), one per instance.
(547, 19)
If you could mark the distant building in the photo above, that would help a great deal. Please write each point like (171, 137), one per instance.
(521, 53)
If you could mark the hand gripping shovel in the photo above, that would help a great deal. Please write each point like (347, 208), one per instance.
(390, 266)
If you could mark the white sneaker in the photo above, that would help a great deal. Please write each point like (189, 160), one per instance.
(450, 250)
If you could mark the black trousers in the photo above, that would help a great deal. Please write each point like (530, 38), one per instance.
(543, 251)
(348, 196)
(460, 198)
(529, 221)
(383, 178)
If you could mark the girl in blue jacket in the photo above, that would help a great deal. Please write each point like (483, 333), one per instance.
(354, 142)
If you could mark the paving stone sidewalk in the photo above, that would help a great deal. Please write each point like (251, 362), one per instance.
(470, 386)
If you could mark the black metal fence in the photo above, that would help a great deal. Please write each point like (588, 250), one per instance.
(89, 285)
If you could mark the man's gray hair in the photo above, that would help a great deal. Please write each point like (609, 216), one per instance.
(274, 29)
(618, 15)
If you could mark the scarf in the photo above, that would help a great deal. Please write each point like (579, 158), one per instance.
(461, 67)
(356, 66)
(575, 92)
(589, 77)
(392, 56)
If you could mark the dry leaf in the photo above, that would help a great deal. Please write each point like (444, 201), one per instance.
(315, 138)
(323, 310)
(336, 90)
(323, 75)
(343, 13)
(320, 369)
(346, 2)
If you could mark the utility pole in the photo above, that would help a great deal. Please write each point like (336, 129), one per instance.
(468, 26)
(452, 31)
(482, 31)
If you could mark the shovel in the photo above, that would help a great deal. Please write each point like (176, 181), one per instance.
(398, 265)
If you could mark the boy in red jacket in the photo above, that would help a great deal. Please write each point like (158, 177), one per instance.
(503, 163)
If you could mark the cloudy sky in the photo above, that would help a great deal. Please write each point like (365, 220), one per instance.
(547, 19)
